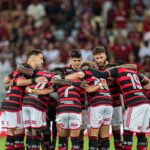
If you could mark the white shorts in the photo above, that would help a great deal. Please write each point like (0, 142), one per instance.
(99, 115)
(33, 118)
(12, 119)
(69, 120)
(117, 118)
(84, 120)
(137, 118)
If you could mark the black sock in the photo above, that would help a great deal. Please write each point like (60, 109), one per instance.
(75, 143)
(62, 142)
(142, 141)
(81, 144)
(105, 145)
(117, 139)
(9, 145)
(127, 140)
(35, 143)
(46, 138)
(28, 142)
(93, 143)
(19, 142)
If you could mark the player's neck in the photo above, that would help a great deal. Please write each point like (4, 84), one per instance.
(31, 64)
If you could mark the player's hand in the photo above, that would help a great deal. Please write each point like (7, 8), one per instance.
(41, 80)
(53, 80)
(27, 89)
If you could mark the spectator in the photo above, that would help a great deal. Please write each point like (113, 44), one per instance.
(144, 51)
(36, 10)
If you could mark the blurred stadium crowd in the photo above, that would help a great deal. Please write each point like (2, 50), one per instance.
(58, 26)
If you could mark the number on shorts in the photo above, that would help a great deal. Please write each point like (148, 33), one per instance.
(40, 85)
(67, 90)
(135, 81)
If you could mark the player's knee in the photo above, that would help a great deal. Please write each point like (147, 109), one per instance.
(94, 132)
(75, 133)
(10, 132)
(19, 131)
(36, 132)
(104, 131)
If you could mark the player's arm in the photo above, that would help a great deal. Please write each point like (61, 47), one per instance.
(24, 82)
(62, 82)
(8, 81)
(144, 81)
(76, 75)
(104, 74)
(40, 91)
(24, 70)
(94, 88)
(128, 66)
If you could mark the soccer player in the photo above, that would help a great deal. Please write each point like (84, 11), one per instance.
(100, 110)
(34, 105)
(138, 107)
(12, 111)
(72, 95)
(100, 58)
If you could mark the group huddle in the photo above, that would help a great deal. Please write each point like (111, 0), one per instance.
(82, 95)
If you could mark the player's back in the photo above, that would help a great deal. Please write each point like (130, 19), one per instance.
(38, 101)
(130, 87)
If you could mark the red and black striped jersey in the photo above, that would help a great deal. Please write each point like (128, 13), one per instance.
(131, 88)
(129, 83)
(39, 102)
(69, 99)
(82, 99)
(115, 93)
(13, 97)
(69, 70)
(101, 96)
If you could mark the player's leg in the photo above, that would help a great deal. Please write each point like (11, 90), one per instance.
(38, 121)
(127, 135)
(104, 130)
(54, 135)
(35, 138)
(46, 133)
(27, 126)
(19, 132)
(62, 124)
(142, 140)
(54, 129)
(45, 141)
(75, 122)
(116, 126)
(83, 127)
(19, 138)
(96, 118)
(9, 121)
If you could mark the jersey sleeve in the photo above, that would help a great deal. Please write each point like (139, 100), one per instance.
(10, 76)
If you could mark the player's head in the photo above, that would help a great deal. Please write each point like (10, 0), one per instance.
(35, 58)
(58, 71)
(87, 64)
(100, 56)
(76, 58)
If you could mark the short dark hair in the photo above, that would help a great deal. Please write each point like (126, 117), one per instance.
(99, 50)
(76, 53)
(34, 52)
(59, 71)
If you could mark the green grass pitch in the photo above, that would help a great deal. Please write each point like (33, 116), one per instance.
(2, 143)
